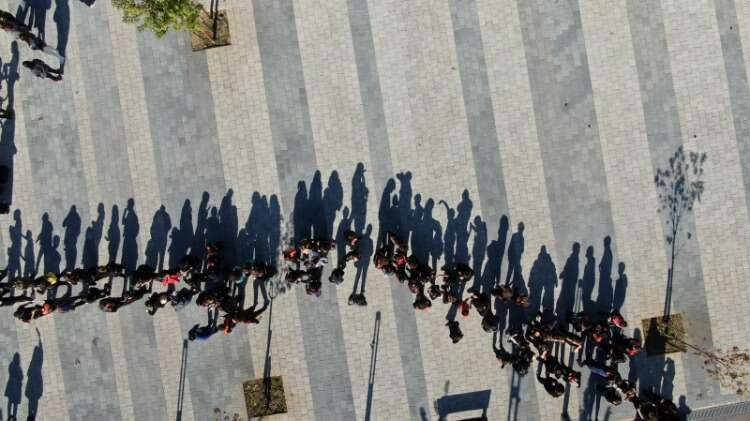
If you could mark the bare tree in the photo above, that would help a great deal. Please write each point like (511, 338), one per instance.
(679, 186)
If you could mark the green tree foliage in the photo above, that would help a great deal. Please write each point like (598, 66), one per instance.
(160, 16)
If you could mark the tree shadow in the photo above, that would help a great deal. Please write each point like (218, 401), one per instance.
(34, 379)
(8, 73)
(13, 387)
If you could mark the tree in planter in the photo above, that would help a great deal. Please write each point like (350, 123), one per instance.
(679, 186)
(160, 16)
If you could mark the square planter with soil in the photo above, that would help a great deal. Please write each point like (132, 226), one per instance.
(664, 335)
(264, 397)
(213, 31)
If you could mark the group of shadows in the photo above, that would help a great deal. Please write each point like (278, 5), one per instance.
(401, 212)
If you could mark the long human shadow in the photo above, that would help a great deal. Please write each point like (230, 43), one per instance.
(29, 256)
(542, 284)
(388, 213)
(359, 196)
(459, 250)
(113, 235)
(181, 237)
(130, 229)
(72, 226)
(9, 74)
(333, 200)
(34, 379)
(15, 234)
(92, 239)
(13, 387)
(156, 247)
(479, 248)
(362, 265)
(34, 14)
(49, 258)
(61, 17)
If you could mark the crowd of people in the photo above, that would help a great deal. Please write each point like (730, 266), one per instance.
(596, 339)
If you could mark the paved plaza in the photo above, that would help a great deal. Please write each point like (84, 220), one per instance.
(551, 113)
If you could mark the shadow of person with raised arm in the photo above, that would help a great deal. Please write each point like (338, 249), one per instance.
(92, 239)
(29, 259)
(542, 284)
(569, 277)
(156, 247)
(449, 235)
(478, 249)
(130, 229)
(8, 73)
(15, 233)
(359, 199)
(61, 17)
(621, 288)
(404, 206)
(228, 225)
(333, 199)
(463, 216)
(198, 247)
(388, 215)
(113, 235)
(13, 387)
(72, 226)
(604, 297)
(181, 237)
(34, 379)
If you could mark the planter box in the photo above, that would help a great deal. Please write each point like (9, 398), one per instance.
(262, 398)
(213, 31)
(662, 336)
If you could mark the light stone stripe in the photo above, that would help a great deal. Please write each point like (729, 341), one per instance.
(326, 48)
(705, 113)
(74, 73)
(146, 195)
(520, 151)
(638, 233)
(423, 107)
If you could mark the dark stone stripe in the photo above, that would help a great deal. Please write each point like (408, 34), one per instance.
(664, 137)
(188, 161)
(294, 148)
(479, 111)
(739, 94)
(382, 169)
(56, 163)
(571, 150)
(115, 186)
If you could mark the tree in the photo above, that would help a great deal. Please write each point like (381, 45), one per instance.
(160, 16)
(730, 367)
(679, 186)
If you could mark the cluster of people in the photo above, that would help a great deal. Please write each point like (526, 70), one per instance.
(206, 279)
(596, 339)
(20, 31)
